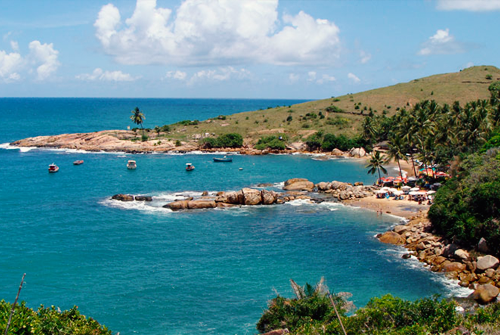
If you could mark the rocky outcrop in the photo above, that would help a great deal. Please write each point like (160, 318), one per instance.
(345, 191)
(143, 198)
(357, 152)
(485, 294)
(201, 204)
(177, 205)
(251, 196)
(298, 184)
(457, 263)
(123, 197)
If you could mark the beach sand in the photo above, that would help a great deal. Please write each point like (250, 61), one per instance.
(403, 208)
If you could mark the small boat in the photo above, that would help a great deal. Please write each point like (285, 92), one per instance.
(131, 165)
(189, 167)
(223, 159)
(78, 162)
(53, 168)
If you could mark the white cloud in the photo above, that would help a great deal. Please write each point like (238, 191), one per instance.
(45, 55)
(220, 74)
(100, 75)
(179, 75)
(293, 78)
(214, 32)
(14, 45)
(365, 57)
(9, 65)
(468, 65)
(325, 79)
(311, 76)
(353, 77)
(469, 5)
(441, 43)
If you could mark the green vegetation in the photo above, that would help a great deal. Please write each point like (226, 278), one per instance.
(312, 312)
(328, 142)
(467, 207)
(272, 142)
(188, 123)
(232, 140)
(376, 164)
(50, 320)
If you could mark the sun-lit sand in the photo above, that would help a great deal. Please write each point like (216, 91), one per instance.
(403, 208)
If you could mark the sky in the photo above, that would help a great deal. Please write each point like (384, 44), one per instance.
(287, 49)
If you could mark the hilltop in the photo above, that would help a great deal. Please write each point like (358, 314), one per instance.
(343, 114)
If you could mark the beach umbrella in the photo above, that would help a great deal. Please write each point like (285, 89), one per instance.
(414, 189)
(413, 193)
(431, 192)
(406, 187)
(398, 192)
(381, 191)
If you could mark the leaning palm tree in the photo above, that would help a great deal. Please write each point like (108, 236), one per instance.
(376, 164)
(138, 118)
(397, 152)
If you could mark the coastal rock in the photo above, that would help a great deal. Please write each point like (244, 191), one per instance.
(482, 246)
(391, 237)
(453, 267)
(234, 197)
(357, 152)
(337, 152)
(123, 197)
(462, 254)
(268, 197)
(277, 332)
(449, 250)
(201, 204)
(323, 186)
(177, 205)
(400, 229)
(298, 184)
(486, 262)
(143, 198)
(251, 196)
(485, 294)
(338, 185)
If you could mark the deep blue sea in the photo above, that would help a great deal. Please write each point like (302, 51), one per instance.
(142, 269)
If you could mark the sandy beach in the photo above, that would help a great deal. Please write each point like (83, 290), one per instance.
(403, 208)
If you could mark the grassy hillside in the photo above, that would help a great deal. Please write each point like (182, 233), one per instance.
(343, 114)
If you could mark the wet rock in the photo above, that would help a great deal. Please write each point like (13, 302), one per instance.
(143, 198)
(406, 256)
(251, 196)
(177, 205)
(298, 184)
(268, 197)
(123, 197)
(400, 229)
(234, 197)
(485, 293)
(453, 267)
(337, 152)
(204, 194)
(323, 186)
(391, 237)
(486, 262)
(201, 204)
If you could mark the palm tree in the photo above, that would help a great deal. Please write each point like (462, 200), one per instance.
(138, 118)
(375, 164)
(397, 151)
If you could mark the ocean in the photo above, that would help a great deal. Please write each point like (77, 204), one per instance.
(141, 269)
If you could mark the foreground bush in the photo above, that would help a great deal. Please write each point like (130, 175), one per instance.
(232, 140)
(48, 321)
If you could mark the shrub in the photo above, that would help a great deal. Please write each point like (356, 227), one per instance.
(165, 128)
(48, 321)
(289, 118)
(144, 137)
(272, 142)
(489, 76)
(178, 143)
(188, 122)
(334, 109)
(232, 140)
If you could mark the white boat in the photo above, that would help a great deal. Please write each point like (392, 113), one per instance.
(131, 165)
(53, 168)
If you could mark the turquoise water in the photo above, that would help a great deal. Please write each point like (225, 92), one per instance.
(141, 269)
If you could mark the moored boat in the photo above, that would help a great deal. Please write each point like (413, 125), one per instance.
(78, 162)
(189, 167)
(53, 168)
(131, 165)
(223, 159)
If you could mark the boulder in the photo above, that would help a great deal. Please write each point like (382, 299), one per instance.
(322, 186)
(234, 197)
(268, 197)
(338, 185)
(482, 246)
(200, 204)
(449, 250)
(251, 196)
(485, 293)
(486, 262)
(143, 198)
(400, 229)
(358, 183)
(453, 267)
(462, 254)
(204, 194)
(298, 184)
(123, 197)
(177, 205)
(357, 152)
(337, 152)
(391, 237)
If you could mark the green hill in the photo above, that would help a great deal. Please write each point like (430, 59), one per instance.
(343, 114)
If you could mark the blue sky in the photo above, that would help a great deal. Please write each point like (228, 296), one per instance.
(304, 49)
